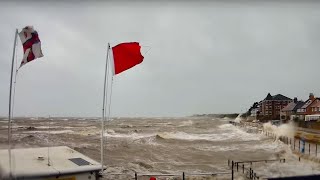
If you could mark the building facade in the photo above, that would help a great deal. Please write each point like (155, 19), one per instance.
(271, 106)
(289, 112)
(306, 109)
(315, 106)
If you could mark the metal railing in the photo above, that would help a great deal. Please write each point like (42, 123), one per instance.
(183, 175)
(302, 146)
(249, 171)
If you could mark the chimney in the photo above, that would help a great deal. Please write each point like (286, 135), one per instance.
(295, 100)
(311, 96)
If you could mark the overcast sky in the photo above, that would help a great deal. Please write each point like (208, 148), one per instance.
(204, 58)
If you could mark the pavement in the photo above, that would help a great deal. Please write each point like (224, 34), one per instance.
(311, 135)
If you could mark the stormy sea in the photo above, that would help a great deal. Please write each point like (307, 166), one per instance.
(161, 145)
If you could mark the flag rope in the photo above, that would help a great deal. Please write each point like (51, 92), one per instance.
(110, 98)
(149, 48)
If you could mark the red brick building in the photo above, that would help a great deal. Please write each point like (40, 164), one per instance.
(271, 106)
(306, 109)
(315, 106)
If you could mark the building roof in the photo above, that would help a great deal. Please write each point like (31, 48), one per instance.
(307, 103)
(281, 97)
(278, 97)
(293, 106)
(298, 106)
(269, 97)
(33, 162)
(289, 107)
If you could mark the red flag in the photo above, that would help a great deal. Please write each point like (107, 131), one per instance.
(126, 55)
(31, 45)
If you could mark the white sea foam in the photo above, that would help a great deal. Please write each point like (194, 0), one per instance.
(50, 132)
(52, 127)
(183, 136)
(186, 123)
(128, 136)
(227, 126)
(226, 118)
(231, 135)
(161, 124)
(110, 131)
(235, 132)
(275, 146)
(217, 148)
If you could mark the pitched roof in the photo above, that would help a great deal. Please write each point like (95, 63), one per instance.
(278, 97)
(306, 104)
(298, 106)
(281, 97)
(269, 97)
(289, 107)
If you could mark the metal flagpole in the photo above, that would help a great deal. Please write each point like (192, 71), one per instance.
(104, 106)
(10, 95)
(48, 141)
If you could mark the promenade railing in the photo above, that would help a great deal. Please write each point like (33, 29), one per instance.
(183, 175)
(248, 171)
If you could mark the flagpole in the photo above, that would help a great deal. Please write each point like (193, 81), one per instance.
(10, 97)
(104, 107)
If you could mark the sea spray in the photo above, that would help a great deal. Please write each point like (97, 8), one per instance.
(238, 119)
(287, 130)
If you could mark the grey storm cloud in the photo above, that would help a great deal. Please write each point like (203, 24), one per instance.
(205, 57)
